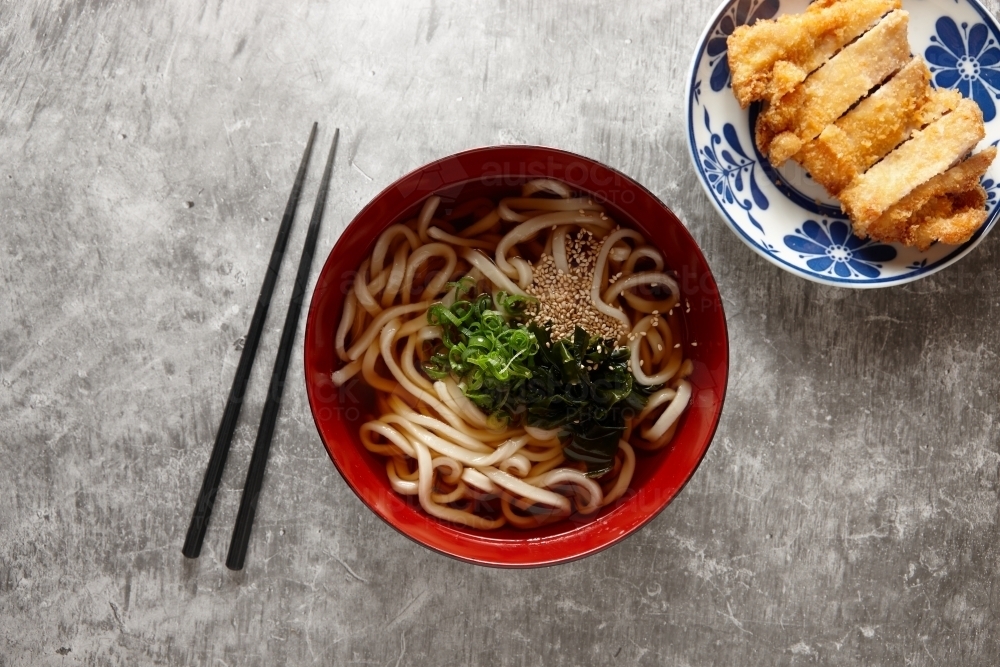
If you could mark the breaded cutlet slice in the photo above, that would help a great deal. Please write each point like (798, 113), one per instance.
(947, 208)
(928, 153)
(880, 122)
(963, 214)
(771, 57)
(798, 117)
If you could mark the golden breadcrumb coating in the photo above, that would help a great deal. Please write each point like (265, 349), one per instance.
(874, 127)
(771, 57)
(945, 204)
(966, 212)
(799, 116)
(842, 96)
(930, 152)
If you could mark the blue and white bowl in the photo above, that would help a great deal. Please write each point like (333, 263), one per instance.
(784, 215)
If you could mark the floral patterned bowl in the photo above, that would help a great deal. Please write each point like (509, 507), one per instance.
(781, 213)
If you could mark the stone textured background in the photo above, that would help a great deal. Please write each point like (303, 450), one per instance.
(846, 513)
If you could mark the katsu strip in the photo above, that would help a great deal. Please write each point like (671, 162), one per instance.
(770, 58)
(930, 152)
(946, 206)
(800, 116)
(879, 123)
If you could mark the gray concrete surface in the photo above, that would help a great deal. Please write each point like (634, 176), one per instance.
(846, 513)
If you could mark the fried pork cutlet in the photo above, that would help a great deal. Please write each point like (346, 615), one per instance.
(874, 127)
(947, 208)
(799, 116)
(770, 58)
(842, 96)
(955, 225)
(928, 153)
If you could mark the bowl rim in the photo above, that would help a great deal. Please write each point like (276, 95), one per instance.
(872, 283)
(541, 549)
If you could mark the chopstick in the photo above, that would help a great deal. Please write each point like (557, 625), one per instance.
(217, 461)
(258, 460)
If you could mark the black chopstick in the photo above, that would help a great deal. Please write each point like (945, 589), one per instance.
(258, 461)
(217, 461)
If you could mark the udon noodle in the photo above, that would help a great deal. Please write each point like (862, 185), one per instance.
(437, 444)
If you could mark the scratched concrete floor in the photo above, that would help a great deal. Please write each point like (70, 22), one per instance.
(846, 513)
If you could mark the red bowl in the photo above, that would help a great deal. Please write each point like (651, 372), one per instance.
(498, 171)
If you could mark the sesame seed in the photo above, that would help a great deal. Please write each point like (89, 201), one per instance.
(564, 297)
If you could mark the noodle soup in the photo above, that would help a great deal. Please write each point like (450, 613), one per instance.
(522, 356)
(340, 412)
